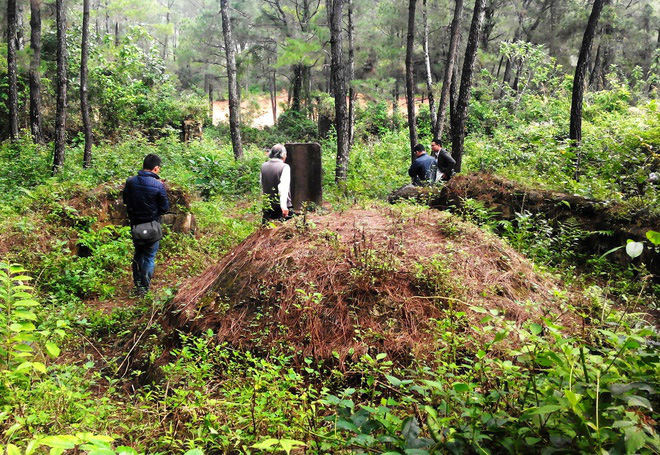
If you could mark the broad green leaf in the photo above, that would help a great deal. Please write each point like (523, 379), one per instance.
(654, 237)
(266, 444)
(60, 442)
(13, 450)
(27, 315)
(536, 329)
(634, 249)
(288, 444)
(635, 439)
(38, 366)
(636, 400)
(101, 451)
(547, 409)
(381, 356)
(194, 452)
(461, 387)
(53, 349)
(123, 450)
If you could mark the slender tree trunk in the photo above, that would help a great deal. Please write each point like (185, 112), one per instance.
(117, 34)
(84, 97)
(509, 61)
(410, 80)
(594, 78)
(234, 103)
(165, 40)
(273, 95)
(449, 68)
(12, 99)
(35, 75)
(580, 70)
(20, 30)
(458, 126)
(429, 74)
(107, 19)
(395, 98)
(60, 113)
(352, 95)
(335, 13)
(297, 88)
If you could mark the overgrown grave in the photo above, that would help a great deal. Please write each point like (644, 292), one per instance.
(340, 285)
(609, 225)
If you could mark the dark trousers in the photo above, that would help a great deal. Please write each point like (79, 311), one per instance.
(144, 261)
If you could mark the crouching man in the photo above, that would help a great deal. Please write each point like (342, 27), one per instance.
(146, 200)
(276, 185)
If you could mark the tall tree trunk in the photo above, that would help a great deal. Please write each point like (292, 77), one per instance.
(594, 78)
(107, 18)
(352, 95)
(273, 95)
(20, 30)
(489, 24)
(84, 98)
(429, 74)
(410, 80)
(509, 61)
(297, 88)
(60, 113)
(234, 103)
(580, 71)
(165, 40)
(35, 75)
(335, 13)
(449, 68)
(12, 99)
(458, 123)
(117, 34)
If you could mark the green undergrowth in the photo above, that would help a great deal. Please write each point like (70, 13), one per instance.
(75, 348)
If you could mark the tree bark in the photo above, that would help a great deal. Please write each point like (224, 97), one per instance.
(429, 74)
(20, 32)
(449, 68)
(60, 113)
(273, 95)
(234, 105)
(35, 75)
(12, 99)
(352, 95)
(84, 96)
(458, 125)
(580, 71)
(410, 80)
(297, 88)
(335, 12)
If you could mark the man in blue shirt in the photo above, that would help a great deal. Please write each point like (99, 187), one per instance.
(146, 200)
(421, 169)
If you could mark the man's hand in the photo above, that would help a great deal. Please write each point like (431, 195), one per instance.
(285, 212)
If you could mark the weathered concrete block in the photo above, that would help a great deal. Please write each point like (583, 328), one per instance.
(306, 174)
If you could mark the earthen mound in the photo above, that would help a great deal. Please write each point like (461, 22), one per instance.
(363, 280)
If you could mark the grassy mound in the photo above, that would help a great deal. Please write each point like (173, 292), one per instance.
(364, 280)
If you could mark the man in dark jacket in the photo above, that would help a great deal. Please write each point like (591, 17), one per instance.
(420, 170)
(445, 162)
(146, 200)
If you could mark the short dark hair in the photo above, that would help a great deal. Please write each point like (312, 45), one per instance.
(437, 141)
(420, 148)
(151, 161)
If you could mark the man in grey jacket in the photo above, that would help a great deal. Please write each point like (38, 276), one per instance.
(276, 185)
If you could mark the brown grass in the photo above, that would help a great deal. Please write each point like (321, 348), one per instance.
(356, 282)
